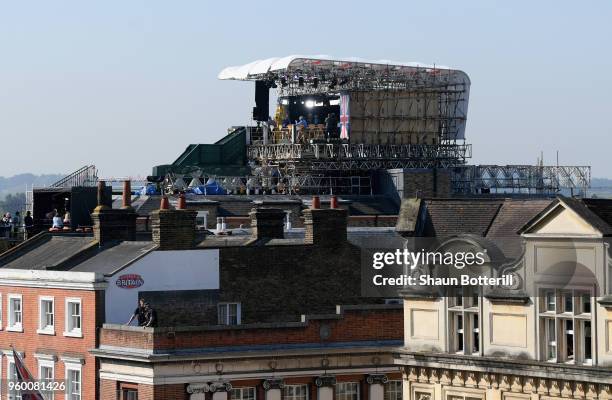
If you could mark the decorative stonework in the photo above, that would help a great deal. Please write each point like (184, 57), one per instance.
(273, 383)
(471, 380)
(445, 379)
(553, 388)
(485, 381)
(220, 387)
(504, 383)
(529, 386)
(209, 387)
(325, 381)
(579, 391)
(423, 375)
(542, 387)
(566, 389)
(381, 379)
(458, 379)
(515, 384)
(198, 388)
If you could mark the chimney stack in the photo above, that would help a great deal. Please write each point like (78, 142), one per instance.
(110, 224)
(127, 194)
(325, 227)
(267, 223)
(173, 229)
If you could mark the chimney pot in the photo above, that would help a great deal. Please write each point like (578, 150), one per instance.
(316, 203)
(182, 203)
(333, 202)
(165, 204)
(127, 194)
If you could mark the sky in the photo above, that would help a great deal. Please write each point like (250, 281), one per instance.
(127, 85)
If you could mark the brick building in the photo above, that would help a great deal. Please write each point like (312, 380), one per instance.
(58, 290)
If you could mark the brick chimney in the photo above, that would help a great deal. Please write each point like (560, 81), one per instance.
(267, 223)
(173, 229)
(111, 224)
(325, 227)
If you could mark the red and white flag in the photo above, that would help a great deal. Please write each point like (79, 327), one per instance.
(23, 375)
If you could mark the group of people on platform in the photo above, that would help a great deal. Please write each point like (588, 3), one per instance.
(332, 130)
(12, 225)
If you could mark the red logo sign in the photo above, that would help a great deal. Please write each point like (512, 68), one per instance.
(129, 281)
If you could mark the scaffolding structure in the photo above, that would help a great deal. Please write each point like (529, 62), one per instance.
(401, 116)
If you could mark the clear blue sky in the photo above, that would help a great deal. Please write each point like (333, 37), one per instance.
(129, 84)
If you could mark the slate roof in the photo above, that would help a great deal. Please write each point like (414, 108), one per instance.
(109, 260)
(45, 251)
(448, 217)
(514, 214)
(73, 252)
(498, 220)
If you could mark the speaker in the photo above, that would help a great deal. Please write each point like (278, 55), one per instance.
(261, 111)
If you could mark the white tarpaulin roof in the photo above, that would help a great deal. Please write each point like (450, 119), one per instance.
(244, 72)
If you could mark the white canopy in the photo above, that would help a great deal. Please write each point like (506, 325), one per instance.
(259, 67)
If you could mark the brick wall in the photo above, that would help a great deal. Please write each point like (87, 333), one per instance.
(183, 307)
(384, 323)
(30, 342)
(280, 283)
(173, 229)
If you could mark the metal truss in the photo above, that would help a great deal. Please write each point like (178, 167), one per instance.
(520, 178)
(454, 153)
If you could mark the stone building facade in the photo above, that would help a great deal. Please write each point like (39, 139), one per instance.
(549, 336)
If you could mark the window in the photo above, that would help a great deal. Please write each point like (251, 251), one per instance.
(295, 392)
(347, 391)
(12, 377)
(1, 312)
(228, 313)
(46, 373)
(73, 317)
(464, 308)
(15, 312)
(128, 391)
(73, 383)
(393, 390)
(565, 321)
(46, 324)
(243, 393)
(465, 394)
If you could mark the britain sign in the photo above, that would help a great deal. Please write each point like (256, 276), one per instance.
(129, 281)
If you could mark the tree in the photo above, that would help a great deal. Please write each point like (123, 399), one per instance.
(13, 202)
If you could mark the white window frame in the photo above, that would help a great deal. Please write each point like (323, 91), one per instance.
(68, 329)
(465, 304)
(46, 363)
(44, 329)
(242, 390)
(226, 320)
(345, 396)
(10, 365)
(286, 388)
(560, 315)
(73, 366)
(388, 391)
(12, 326)
(1, 315)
